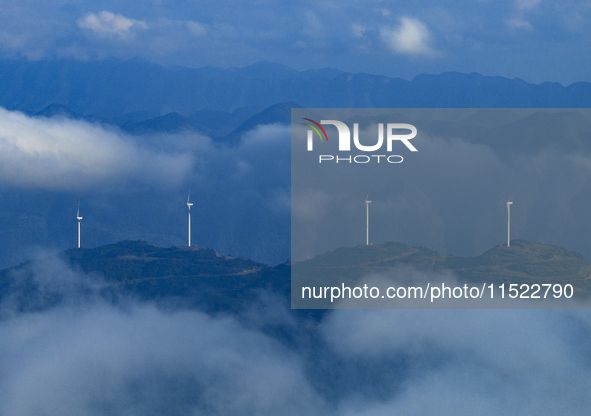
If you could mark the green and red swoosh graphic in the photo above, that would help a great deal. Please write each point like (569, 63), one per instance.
(315, 129)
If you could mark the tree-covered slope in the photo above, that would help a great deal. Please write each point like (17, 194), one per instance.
(201, 278)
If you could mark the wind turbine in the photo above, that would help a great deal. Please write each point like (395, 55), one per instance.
(79, 218)
(509, 203)
(189, 204)
(367, 219)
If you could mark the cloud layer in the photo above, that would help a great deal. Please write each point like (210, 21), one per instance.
(93, 358)
(410, 38)
(107, 23)
(62, 154)
(476, 36)
(472, 362)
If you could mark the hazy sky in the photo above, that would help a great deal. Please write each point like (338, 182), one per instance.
(537, 40)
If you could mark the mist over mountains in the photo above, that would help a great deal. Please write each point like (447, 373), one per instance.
(132, 328)
(129, 140)
(223, 135)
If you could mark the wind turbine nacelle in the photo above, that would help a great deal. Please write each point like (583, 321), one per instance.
(79, 218)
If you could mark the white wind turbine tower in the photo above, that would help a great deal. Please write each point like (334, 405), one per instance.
(508, 222)
(189, 204)
(79, 218)
(367, 219)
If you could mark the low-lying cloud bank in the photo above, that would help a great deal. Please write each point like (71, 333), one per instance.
(460, 362)
(145, 361)
(71, 155)
(93, 358)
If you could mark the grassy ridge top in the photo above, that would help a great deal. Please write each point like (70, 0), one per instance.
(522, 262)
(134, 261)
(199, 276)
(215, 282)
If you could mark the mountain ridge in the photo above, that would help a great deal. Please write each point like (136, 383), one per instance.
(523, 262)
(112, 88)
(215, 282)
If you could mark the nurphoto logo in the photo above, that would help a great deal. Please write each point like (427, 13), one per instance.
(395, 132)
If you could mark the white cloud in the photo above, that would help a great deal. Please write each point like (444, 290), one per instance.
(106, 23)
(410, 38)
(88, 357)
(145, 361)
(458, 362)
(519, 23)
(12, 41)
(358, 30)
(527, 4)
(91, 357)
(196, 28)
(69, 155)
(313, 27)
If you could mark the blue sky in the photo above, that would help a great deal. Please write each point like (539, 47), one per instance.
(536, 40)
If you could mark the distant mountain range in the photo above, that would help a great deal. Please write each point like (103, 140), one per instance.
(135, 90)
(508, 132)
(143, 98)
(220, 125)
